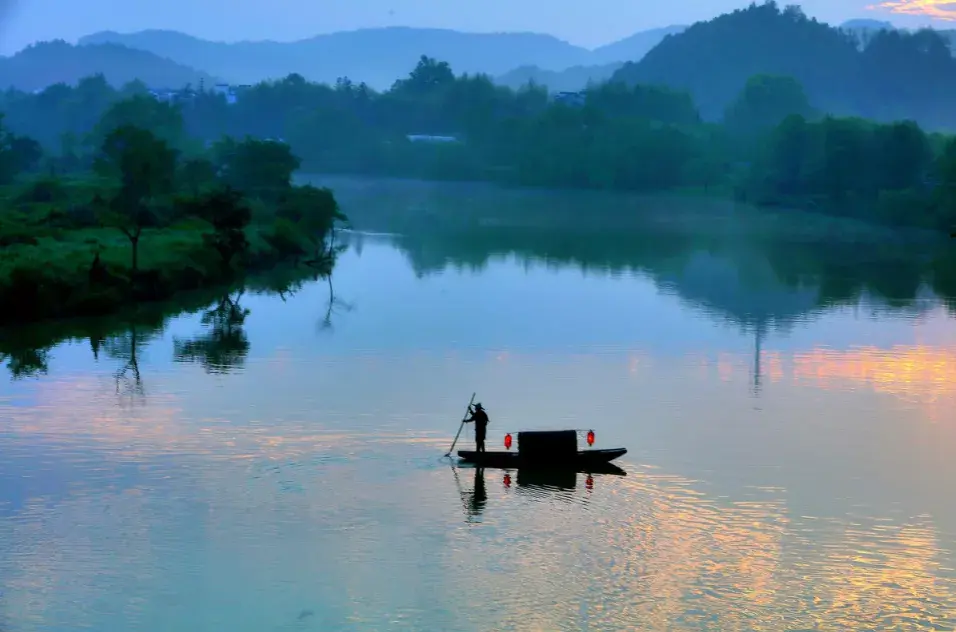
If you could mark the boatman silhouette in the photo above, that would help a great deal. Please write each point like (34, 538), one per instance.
(480, 418)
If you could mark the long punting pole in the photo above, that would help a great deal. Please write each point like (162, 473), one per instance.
(467, 410)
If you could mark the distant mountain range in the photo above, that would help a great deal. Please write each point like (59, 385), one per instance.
(380, 56)
(48, 63)
(568, 80)
(603, 62)
(376, 56)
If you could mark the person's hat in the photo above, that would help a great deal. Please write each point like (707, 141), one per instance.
(477, 406)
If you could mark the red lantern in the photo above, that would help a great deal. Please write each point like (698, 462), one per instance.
(508, 441)
(590, 437)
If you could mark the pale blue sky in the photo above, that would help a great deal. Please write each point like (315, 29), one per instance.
(585, 23)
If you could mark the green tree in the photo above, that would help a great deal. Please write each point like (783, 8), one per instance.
(17, 154)
(228, 215)
(903, 154)
(145, 168)
(946, 188)
(847, 157)
(428, 77)
(789, 155)
(87, 102)
(163, 120)
(196, 175)
(653, 103)
(335, 139)
(314, 211)
(765, 101)
(258, 168)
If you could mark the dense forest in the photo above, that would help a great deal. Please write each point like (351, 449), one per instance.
(772, 144)
(879, 74)
(143, 212)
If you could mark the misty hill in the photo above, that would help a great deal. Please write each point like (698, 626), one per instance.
(375, 56)
(380, 56)
(48, 63)
(569, 80)
(605, 61)
(895, 75)
(633, 48)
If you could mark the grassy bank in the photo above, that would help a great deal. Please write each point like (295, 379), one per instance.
(58, 260)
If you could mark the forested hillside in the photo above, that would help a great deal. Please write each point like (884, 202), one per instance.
(895, 75)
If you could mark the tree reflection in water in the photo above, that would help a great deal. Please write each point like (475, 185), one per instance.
(125, 347)
(224, 345)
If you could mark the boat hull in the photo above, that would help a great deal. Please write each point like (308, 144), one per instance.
(582, 461)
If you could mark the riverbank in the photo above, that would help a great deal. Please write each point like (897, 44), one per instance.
(220, 344)
(58, 261)
(25, 348)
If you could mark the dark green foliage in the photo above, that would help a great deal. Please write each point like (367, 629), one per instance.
(258, 168)
(145, 167)
(892, 75)
(228, 215)
(196, 175)
(60, 259)
(714, 60)
(653, 103)
(764, 103)
(313, 211)
(163, 120)
(774, 147)
(430, 77)
(18, 154)
(886, 173)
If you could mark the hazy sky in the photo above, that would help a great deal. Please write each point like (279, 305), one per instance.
(585, 23)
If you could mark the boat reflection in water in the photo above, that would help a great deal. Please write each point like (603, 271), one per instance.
(533, 483)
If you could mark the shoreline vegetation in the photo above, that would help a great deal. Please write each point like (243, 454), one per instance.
(148, 221)
(219, 345)
(110, 196)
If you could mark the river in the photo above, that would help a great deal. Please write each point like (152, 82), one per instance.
(787, 406)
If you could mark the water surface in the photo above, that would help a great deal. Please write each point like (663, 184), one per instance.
(787, 411)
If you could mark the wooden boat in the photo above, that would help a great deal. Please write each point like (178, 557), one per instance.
(581, 460)
(539, 469)
(553, 449)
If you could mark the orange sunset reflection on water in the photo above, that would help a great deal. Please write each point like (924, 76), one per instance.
(231, 516)
(649, 551)
(86, 411)
(654, 553)
(920, 375)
